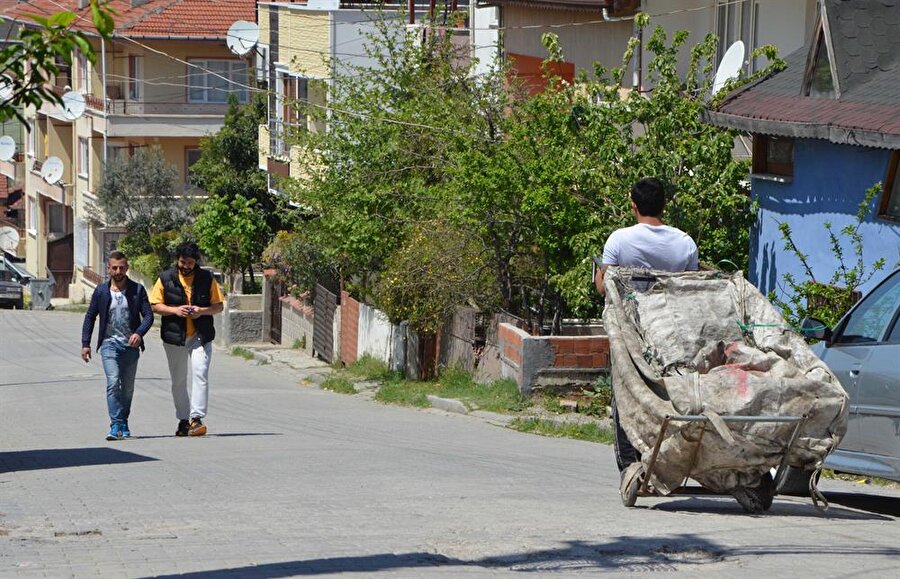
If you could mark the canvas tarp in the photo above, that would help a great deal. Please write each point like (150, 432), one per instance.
(708, 342)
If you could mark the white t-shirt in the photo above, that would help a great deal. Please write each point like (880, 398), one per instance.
(651, 246)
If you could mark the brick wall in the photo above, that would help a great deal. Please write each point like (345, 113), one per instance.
(580, 351)
(349, 328)
(522, 355)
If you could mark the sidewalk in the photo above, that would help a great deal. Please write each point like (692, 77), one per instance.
(314, 371)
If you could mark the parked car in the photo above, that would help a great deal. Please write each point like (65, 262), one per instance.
(863, 351)
(11, 291)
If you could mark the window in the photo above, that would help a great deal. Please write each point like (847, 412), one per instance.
(736, 20)
(83, 80)
(191, 156)
(135, 77)
(773, 155)
(211, 81)
(890, 197)
(84, 157)
(869, 321)
(56, 219)
(32, 215)
(32, 138)
(821, 82)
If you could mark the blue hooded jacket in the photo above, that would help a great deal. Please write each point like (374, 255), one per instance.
(140, 316)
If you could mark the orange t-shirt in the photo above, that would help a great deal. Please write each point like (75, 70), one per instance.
(157, 296)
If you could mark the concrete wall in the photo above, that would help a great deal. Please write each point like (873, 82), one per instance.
(241, 320)
(829, 183)
(375, 334)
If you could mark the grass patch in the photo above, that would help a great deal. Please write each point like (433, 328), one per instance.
(860, 479)
(589, 431)
(497, 396)
(371, 369)
(242, 352)
(71, 308)
(338, 384)
(300, 343)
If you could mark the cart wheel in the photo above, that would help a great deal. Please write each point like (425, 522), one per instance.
(756, 500)
(632, 479)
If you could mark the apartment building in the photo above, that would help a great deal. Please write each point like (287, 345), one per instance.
(162, 80)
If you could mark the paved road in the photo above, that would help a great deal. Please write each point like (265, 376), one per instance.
(296, 481)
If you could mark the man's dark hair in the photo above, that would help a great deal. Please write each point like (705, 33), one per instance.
(117, 255)
(650, 196)
(188, 249)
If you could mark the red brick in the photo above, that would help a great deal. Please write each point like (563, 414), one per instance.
(600, 360)
(583, 345)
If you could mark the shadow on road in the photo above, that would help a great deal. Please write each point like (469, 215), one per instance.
(65, 457)
(217, 435)
(859, 507)
(621, 555)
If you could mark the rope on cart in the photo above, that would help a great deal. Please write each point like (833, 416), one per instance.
(814, 492)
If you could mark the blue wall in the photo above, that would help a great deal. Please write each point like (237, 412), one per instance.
(829, 183)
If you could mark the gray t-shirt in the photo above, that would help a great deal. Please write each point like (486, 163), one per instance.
(651, 246)
(117, 326)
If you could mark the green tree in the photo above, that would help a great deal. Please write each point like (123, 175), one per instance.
(829, 300)
(30, 62)
(233, 233)
(139, 192)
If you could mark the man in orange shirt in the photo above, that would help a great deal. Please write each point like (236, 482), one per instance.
(187, 297)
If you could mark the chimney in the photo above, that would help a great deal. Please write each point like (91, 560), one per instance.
(136, 3)
(83, 4)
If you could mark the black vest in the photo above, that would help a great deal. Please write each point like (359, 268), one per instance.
(174, 328)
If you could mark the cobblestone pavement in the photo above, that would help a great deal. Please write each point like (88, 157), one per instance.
(295, 481)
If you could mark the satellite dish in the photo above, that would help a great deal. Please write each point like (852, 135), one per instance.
(9, 238)
(6, 88)
(52, 169)
(730, 67)
(73, 105)
(242, 37)
(7, 148)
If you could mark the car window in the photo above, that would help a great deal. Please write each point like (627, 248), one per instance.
(870, 319)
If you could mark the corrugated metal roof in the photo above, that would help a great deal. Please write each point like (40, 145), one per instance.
(865, 36)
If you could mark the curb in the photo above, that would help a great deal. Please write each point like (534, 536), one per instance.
(447, 404)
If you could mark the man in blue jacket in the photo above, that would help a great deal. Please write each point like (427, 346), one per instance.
(125, 317)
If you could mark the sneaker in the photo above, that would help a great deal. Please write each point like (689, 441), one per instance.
(197, 428)
(115, 432)
(125, 430)
(184, 428)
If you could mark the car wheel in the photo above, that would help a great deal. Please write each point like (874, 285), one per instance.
(795, 482)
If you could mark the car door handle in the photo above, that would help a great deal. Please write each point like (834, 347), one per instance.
(854, 373)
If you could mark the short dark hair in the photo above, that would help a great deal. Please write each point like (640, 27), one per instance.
(187, 249)
(116, 255)
(650, 196)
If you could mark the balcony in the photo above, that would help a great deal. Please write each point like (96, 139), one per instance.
(14, 168)
(61, 192)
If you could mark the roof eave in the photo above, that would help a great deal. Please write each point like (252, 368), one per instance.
(833, 133)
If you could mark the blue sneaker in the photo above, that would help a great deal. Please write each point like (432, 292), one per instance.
(115, 432)
(125, 431)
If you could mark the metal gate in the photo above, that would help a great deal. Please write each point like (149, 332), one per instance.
(275, 311)
(325, 304)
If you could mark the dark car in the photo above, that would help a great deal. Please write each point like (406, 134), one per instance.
(863, 351)
(11, 291)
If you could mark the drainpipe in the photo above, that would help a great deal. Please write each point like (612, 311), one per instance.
(637, 78)
(105, 105)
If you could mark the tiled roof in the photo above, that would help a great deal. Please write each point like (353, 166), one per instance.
(616, 7)
(865, 36)
(192, 19)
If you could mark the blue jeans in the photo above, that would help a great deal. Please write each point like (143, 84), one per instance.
(120, 366)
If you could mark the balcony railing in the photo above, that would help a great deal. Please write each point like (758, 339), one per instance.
(91, 275)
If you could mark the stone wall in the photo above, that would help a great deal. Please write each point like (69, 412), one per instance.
(241, 321)
(297, 323)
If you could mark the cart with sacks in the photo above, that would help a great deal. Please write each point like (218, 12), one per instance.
(712, 386)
